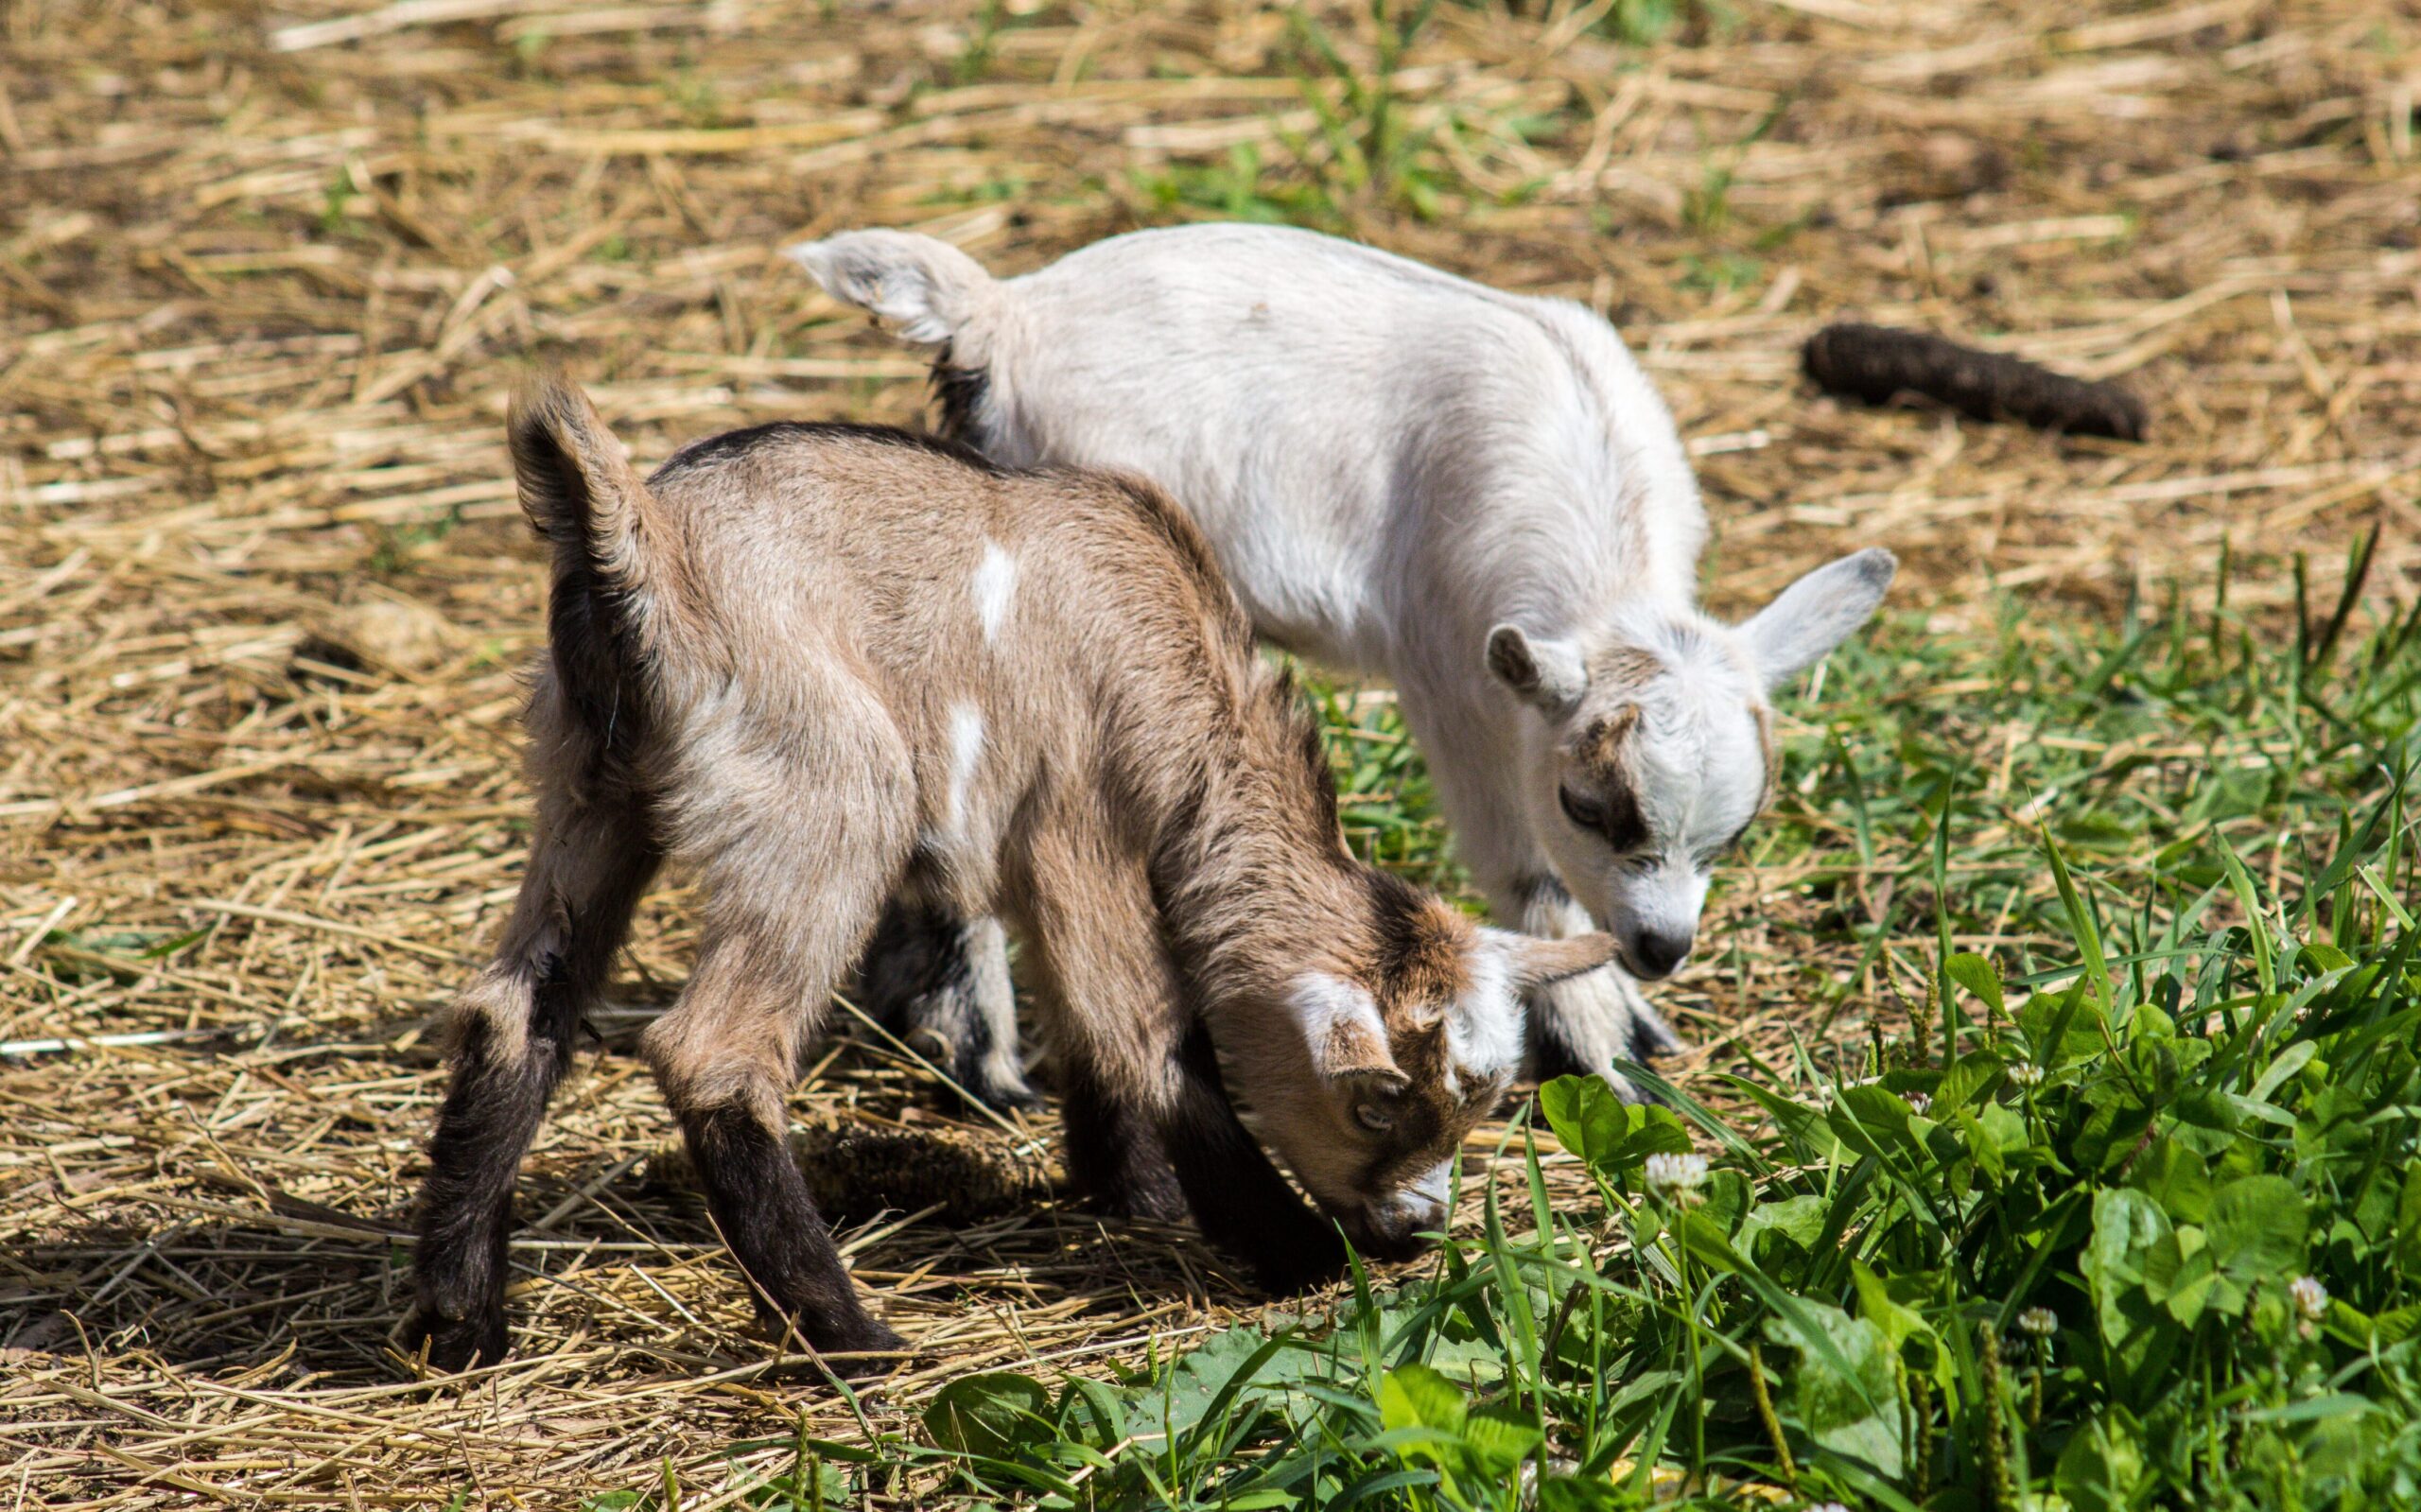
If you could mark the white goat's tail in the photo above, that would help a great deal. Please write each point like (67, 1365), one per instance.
(932, 293)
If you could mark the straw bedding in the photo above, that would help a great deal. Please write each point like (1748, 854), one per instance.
(266, 278)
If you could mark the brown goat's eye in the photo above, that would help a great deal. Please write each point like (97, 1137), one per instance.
(1373, 1118)
(1586, 812)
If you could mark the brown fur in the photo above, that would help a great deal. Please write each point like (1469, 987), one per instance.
(823, 666)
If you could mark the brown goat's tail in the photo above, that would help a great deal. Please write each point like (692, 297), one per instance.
(577, 488)
(615, 556)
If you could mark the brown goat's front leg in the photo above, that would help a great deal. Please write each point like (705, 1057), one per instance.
(513, 1043)
(1242, 1203)
(1112, 1148)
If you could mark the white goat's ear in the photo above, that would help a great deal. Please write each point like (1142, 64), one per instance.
(1342, 1026)
(1818, 613)
(1545, 675)
(926, 288)
(1532, 962)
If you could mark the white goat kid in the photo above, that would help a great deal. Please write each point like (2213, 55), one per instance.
(1474, 494)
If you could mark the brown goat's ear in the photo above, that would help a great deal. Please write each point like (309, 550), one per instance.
(1536, 963)
(1342, 1028)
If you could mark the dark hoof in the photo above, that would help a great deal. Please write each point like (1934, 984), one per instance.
(863, 1351)
(1317, 1258)
(1651, 1037)
(455, 1345)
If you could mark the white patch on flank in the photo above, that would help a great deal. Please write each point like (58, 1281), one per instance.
(966, 749)
(1483, 1032)
(996, 579)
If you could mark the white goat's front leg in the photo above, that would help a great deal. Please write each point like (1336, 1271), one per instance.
(1581, 1024)
(941, 983)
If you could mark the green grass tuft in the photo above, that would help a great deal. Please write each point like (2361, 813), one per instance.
(2126, 1215)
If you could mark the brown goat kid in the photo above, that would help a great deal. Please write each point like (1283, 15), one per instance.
(824, 666)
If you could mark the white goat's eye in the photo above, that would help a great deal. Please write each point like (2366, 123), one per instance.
(1373, 1118)
(1583, 813)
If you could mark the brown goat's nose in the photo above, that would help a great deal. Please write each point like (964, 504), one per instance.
(1391, 1227)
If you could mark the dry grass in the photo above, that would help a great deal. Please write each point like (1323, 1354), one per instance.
(265, 279)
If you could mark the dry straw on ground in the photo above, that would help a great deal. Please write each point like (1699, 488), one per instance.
(266, 275)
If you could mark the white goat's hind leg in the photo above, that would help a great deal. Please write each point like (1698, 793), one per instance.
(941, 983)
(1583, 1023)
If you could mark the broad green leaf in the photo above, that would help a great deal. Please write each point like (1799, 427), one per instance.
(1978, 976)
(1857, 1418)
(1799, 1220)
(1573, 1493)
(2180, 1276)
(992, 1415)
(1588, 1119)
(1498, 1436)
(1414, 1395)
(2100, 1470)
(1707, 1244)
(2176, 1177)
(1091, 1412)
(2256, 1229)
(2138, 1337)
(1977, 1074)
(1982, 1147)
(1897, 1323)
(1611, 1137)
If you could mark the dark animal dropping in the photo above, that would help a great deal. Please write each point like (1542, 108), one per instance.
(1876, 363)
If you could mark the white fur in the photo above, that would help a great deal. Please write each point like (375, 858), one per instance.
(1483, 1032)
(1324, 1004)
(996, 579)
(965, 751)
(1392, 463)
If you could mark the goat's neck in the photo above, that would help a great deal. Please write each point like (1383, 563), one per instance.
(1253, 897)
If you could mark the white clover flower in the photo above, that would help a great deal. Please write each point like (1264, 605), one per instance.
(2311, 1298)
(1828, 1507)
(1677, 1178)
(2027, 1074)
(1920, 1104)
(2038, 1321)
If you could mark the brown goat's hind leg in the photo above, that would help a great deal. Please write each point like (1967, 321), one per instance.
(761, 1204)
(513, 1028)
(724, 1056)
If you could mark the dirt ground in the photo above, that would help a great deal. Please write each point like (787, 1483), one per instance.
(266, 277)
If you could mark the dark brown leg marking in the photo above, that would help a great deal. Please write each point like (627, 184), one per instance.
(760, 1202)
(559, 950)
